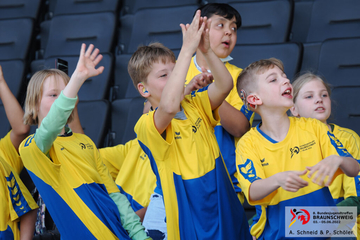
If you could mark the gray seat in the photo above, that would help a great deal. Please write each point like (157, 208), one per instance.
(84, 6)
(19, 9)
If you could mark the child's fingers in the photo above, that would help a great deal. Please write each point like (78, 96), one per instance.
(183, 28)
(82, 49)
(89, 50)
(94, 54)
(100, 70)
(97, 59)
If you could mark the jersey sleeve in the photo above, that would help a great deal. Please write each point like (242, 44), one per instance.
(10, 154)
(104, 173)
(113, 157)
(249, 169)
(20, 200)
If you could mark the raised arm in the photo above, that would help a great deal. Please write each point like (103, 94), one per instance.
(223, 84)
(14, 113)
(173, 91)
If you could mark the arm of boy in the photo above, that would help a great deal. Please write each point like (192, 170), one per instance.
(328, 167)
(289, 181)
(14, 113)
(27, 225)
(233, 120)
(173, 91)
(199, 81)
(75, 124)
(219, 90)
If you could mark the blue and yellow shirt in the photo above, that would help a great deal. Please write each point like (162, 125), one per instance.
(130, 167)
(200, 201)
(308, 141)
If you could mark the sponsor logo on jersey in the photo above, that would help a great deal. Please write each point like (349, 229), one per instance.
(197, 125)
(86, 146)
(177, 135)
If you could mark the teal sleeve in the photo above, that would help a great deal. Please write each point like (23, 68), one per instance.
(129, 220)
(54, 122)
(351, 201)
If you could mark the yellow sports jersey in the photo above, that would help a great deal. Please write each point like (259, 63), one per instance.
(9, 153)
(226, 141)
(130, 167)
(200, 201)
(75, 186)
(344, 186)
(308, 141)
(15, 201)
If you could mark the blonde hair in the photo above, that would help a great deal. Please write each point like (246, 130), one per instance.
(300, 81)
(34, 93)
(247, 79)
(140, 63)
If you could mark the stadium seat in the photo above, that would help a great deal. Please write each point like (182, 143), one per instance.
(19, 9)
(67, 32)
(264, 21)
(81, 6)
(334, 19)
(289, 53)
(15, 38)
(131, 6)
(339, 62)
(94, 118)
(95, 88)
(4, 122)
(155, 24)
(346, 108)
(14, 75)
(124, 115)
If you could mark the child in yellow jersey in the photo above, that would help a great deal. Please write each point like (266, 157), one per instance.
(284, 161)
(66, 167)
(235, 117)
(200, 201)
(17, 207)
(312, 99)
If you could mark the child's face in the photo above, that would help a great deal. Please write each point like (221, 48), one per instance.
(223, 35)
(313, 101)
(51, 89)
(157, 79)
(274, 89)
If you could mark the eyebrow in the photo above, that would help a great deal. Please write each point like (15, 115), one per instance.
(270, 75)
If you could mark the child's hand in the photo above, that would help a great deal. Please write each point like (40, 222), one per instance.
(291, 180)
(325, 168)
(204, 45)
(199, 81)
(87, 62)
(192, 33)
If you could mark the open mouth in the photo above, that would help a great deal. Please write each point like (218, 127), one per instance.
(287, 93)
(320, 109)
(226, 43)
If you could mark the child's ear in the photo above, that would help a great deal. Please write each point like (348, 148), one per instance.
(253, 100)
(294, 111)
(142, 90)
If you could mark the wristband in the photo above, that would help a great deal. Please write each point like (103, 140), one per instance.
(246, 111)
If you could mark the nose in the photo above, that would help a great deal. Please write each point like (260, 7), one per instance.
(228, 32)
(318, 99)
(286, 81)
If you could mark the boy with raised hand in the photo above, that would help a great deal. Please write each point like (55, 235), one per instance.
(284, 161)
(178, 138)
(236, 118)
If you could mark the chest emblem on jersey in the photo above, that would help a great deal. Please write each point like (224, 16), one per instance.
(177, 135)
(197, 125)
(302, 148)
(143, 156)
(294, 150)
(247, 170)
(263, 163)
(86, 146)
(341, 150)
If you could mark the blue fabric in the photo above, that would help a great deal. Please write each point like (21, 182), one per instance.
(7, 234)
(134, 204)
(210, 213)
(246, 111)
(227, 148)
(18, 201)
(264, 135)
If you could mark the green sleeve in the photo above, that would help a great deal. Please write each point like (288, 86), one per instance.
(129, 220)
(351, 201)
(54, 122)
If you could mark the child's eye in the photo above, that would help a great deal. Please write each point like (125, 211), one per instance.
(324, 95)
(308, 96)
(273, 80)
(164, 75)
(234, 29)
(220, 25)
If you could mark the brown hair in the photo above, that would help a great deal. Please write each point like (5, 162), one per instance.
(34, 93)
(301, 80)
(247, 79)
(141, 61)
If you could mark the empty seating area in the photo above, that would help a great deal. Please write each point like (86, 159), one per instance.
(318, 35)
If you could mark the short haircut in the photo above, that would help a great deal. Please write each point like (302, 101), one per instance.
(221, 9)
(247, 79)
(301, 80)
(35, 91)
(140, 63)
